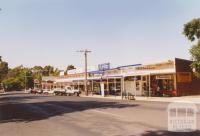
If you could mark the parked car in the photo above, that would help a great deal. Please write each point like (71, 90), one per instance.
(39, 91)
(68, 90)
(47, 91)
(60, 91)
(72, 91)
(35, 91)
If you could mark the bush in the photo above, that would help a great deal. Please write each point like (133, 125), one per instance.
(12, 84)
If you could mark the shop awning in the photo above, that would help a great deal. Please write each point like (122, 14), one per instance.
(112, 77)
(149, 72)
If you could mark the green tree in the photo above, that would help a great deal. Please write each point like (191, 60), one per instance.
(48, 70)
(37, 72)
(12, 84)
(195, 53)
(192, 32)
(192, 29)
(3, 69)
(56, 72)
(18, 78)
(69, 67)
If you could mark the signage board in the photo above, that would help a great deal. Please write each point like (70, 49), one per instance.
(134, 78)
(62, 73)
(163, 77)
(184, 77)
(157, 66)
(73, 71)
(104, 66)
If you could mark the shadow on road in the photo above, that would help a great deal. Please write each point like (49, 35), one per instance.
(20, 109)
(167, 133)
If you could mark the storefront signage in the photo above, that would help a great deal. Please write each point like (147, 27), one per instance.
(133, 78)
(183, 77)
(104, 66)
(168, 64)
(73, 71)
(164, 77)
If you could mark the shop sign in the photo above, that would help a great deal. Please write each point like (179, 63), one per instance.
(184, 77)
(104, 66)
(134, 78)
(157, 66)
(73, 71)
(164, 77)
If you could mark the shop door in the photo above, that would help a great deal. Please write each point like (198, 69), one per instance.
(138, 88)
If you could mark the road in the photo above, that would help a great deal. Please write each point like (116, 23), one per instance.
(42, 115)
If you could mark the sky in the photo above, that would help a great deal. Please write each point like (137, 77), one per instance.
(122, 32)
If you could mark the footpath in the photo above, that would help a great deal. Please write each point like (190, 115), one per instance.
(194, 99)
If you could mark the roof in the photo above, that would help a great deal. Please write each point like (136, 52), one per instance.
(48, 78)
(96, 72)
(125, 66)
(133, 65)
(101, 72)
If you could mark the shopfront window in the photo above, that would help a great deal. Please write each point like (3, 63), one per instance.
(162, 84)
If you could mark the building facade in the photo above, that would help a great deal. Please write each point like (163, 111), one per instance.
(168, 78)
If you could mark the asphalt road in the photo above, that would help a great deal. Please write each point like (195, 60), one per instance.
(41, 115)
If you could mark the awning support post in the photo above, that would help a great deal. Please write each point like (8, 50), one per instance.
(149, 85)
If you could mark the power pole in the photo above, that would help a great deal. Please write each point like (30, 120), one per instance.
(25, 80)
(85, 54)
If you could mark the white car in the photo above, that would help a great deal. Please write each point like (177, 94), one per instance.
(47, 91)
(72, 91)
(59, 91)
(68, 90)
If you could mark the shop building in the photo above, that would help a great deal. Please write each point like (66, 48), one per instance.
(168, 78)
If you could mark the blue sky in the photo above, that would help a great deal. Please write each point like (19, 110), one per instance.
(41, 32)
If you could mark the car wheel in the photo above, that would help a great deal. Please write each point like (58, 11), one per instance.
(76, 94)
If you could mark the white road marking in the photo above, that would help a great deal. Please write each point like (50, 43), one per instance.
(107, 113)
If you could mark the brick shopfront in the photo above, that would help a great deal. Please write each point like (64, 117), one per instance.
(170, 78)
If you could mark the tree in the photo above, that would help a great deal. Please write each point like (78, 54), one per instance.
(69, 67)
(56, 72)
(192, 29)
(3, 69)
(17, 78)
(50, 71)
(195, 53)
(12, 84)
(37, 72)
(192, 32)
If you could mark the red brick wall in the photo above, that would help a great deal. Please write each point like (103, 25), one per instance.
(186, 88)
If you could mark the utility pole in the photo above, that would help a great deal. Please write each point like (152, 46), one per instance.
(25, 80)
(85, 54)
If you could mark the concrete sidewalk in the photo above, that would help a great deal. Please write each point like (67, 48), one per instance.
(106, 97)
(193, 99)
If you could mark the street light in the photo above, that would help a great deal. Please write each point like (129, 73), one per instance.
(85, 54)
